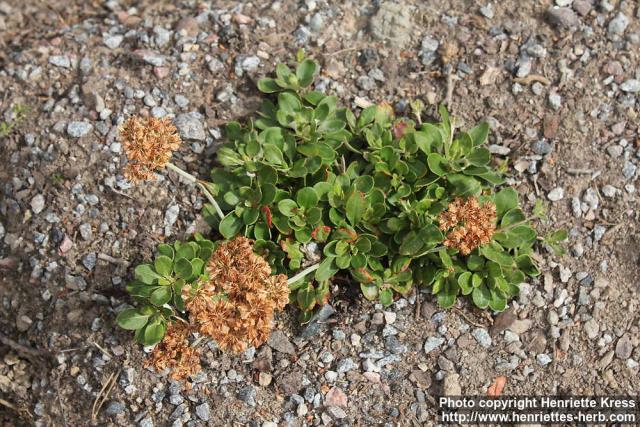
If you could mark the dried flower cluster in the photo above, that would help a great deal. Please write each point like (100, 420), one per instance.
(176, 353)
(236, 306)
(471, 225)
(148, 144)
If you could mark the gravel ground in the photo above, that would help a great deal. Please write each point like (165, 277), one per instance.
(560, 87)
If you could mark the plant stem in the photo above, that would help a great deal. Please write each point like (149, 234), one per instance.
(303, 273)
(429, 251)
(200, 184)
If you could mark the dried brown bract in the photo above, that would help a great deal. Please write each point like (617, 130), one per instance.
(175, 352)
(236, 305)
(470, 224)
(148, 144)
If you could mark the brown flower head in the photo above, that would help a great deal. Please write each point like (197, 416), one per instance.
(470, 225)
(175, 352)
(148, 144)
(235, 306)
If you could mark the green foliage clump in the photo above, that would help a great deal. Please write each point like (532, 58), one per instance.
(157, 287)
(366, 188)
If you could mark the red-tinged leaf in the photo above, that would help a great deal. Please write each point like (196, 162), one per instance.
(267, 215)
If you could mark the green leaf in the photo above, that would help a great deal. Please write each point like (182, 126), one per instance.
(464, 185)
(287, 207)
(505, 199)
(496, 254)
(356, 207)
(446, 300)
(131, 319)
(307, 197)
(330, 126)
(386, 297)
(306, 297)
(161, 296)
(288, 102)
(183, 268)
(273, 154)
(305, 71)
(512, 216)
(464, 281)
(437, 164)
(481, 296)
(479, 157)
(145, 274)
(519, 236)
(497, 302)
(526, 264)
(153, 333)
(166, 250)
(479, 133)
(267, 85)
(326, 270)
(475, 262)
(369, 291)
(411, 244)
(163, 265)
(230, 226)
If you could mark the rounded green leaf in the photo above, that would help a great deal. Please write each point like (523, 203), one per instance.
(153, 333)
(481, 296)
(183, 268)
(369, 291)
(437, 164)
(479, 157)
(166, 250)
(356, 207)
(464, 281)
(386, 297)
(268, 85)
(307, 197)
(131, 319)
(306, 297)
(163, 265)
(161, 296)
(479, 133)
(145, 274)
(505, 200)
(287, 207)
(230, 226)
(305, 71)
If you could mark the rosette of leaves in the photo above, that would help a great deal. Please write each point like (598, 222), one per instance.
(367, 188)
(157, 287)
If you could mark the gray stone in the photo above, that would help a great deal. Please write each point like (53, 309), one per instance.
(392, 24)
(150, 57)
(203, 411)
(609, 191)
(162, 36)
(89, 261)
(248, 395)
(79, 129)
(541, 147)
(146, 422)
(543, 359)
(60, 61)
(250, 63)
(432, 343)
(112, 41)
(555, 100)
(482, 336)
(618, 25)
(556, 194)
(629, 170)
(279, 342)
(37, 204)
(346, 365)
(85, 231)
(114, 408)
(624, 347)
(631, 85)
(562, 17)
(190, 126)
(317, 321)
(591, 328)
